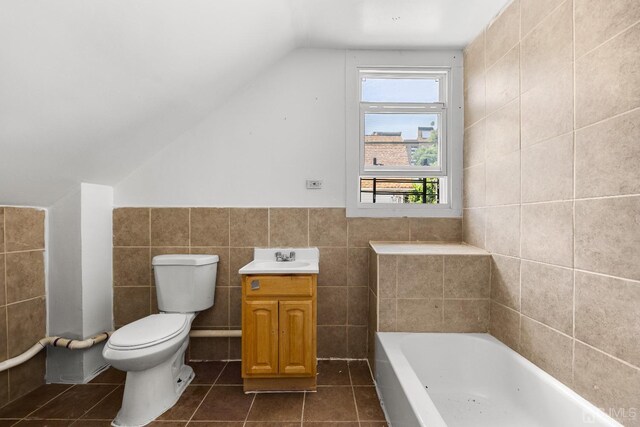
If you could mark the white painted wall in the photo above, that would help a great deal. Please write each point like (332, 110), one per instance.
(80, 282)
(97, 271)
(64, 298)
(64, 293)
(260, 147)
(90, 89)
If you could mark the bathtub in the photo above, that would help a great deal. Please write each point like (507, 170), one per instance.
(438, 379)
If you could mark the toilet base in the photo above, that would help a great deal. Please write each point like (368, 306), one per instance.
(150, 393)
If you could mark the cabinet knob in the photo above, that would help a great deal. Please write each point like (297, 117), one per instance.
(255, 285)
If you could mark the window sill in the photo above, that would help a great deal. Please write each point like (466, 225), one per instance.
(385, 211)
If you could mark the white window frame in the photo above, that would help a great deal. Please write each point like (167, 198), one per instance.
(399, 108)
(450, 170)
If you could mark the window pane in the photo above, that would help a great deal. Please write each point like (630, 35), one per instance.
(400, 190)
(400, 139)
(400, 90)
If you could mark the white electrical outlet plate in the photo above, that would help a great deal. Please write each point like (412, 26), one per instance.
(314, 184)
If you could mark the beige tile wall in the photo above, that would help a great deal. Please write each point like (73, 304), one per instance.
(552, 188)
(22, 297)
(428, 293)
(232, 233)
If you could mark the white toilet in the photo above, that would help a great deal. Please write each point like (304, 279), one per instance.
(151, 350)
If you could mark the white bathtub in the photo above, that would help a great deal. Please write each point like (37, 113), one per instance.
(437, 379)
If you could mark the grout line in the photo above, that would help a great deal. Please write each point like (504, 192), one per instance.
(544, 18)
(495, 61)
(6, 297)
(614, 116)
(521, 315)
(149, 221)
(47, 402)
(624, 30)
(308, 227)
(443, 291)
(353, 393)
(304, 400)
(28, 300)
(520, 148)
(151, 272)
(563, 267)
(573, 207)
(23, 251)
(637, 368)
(208, 391)
(250, 407)
(99, 401)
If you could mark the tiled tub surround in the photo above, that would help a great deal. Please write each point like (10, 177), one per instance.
(232, 233)
(430, 287)
(22, 297)
(552, 189)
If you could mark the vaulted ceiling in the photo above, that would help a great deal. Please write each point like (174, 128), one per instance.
(89, 89)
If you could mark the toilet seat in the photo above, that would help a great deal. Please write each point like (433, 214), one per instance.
(149, 331)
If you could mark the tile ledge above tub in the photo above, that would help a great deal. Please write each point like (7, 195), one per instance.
(426, 248)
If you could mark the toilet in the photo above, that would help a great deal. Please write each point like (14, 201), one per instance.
(151, 350)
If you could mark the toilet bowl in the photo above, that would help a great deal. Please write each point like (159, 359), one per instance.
(151, 350)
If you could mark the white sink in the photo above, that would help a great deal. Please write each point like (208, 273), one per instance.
(264, 262)
(280, 265)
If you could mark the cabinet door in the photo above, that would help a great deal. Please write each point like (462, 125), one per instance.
(260, 337)
(297, 349)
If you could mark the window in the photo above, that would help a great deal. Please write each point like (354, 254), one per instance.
(403, 146)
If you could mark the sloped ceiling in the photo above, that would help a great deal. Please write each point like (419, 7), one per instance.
(90, 89)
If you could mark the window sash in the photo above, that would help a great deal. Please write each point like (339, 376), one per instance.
(406, 171)
(405, 73)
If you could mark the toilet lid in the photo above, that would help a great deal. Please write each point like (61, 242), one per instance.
(149, 331)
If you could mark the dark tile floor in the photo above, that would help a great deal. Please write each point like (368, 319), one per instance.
(345, 398)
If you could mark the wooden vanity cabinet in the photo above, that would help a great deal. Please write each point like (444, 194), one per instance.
(279, 332)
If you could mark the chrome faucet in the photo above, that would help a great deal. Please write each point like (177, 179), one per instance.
(280, 257)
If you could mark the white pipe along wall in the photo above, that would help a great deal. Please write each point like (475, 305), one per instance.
(72, 344)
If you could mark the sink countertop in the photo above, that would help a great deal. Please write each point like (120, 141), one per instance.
(264, 262)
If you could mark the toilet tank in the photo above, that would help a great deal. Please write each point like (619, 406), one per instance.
(185, 283)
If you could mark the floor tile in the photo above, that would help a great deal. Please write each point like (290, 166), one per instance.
(187, 405)
(333, 372)
(73, 403)
(368, 404)
(206, 372)
(335, 404)
(277, 407)
(44, 423)
(224, 403)
(107, 408)
(231, 374)
(167, 424)
(272, 424)
(91, 423)
(28, 403)
(331, 424)
(330, 404)
(110, 376)
(360, 374)
(215, 424)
